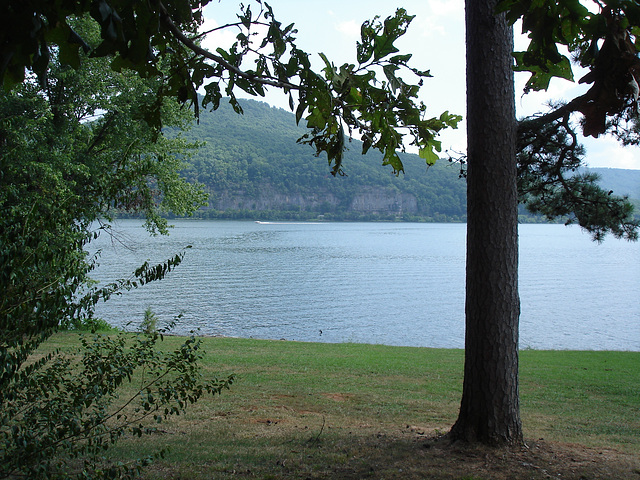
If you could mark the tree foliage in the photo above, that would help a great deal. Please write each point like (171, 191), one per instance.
(143, 35)
(80, 135)
(551, 182)
(347, 98)
(252, 163)
(70, 152)
(71, 149)
(604, 41)
(60, 413)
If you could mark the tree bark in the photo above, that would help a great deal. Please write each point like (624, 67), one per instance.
(489, 411)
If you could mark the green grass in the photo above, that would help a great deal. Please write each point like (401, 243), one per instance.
(312, 406)
(591, 398)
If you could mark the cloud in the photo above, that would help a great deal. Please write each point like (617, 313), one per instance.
(431, 27)
(607, 152)
(218, 38)
(438, 19)
(350, 28)
(446, 7)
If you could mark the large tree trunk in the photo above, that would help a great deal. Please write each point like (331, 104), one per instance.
(489, 412)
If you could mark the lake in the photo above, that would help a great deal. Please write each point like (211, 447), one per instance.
(386, 283)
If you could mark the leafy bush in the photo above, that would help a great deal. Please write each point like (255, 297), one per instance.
(61, 412)
(92, 324)
(149, 323)
(71, 151)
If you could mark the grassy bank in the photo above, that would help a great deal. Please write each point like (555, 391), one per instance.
(311, 409)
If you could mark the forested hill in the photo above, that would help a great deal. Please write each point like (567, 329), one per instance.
(621, 181)
(252, 167)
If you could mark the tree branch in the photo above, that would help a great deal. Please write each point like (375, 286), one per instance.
(575, 105)
(191, 45)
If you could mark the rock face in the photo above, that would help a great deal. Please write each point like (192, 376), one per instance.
(383, 200)
(363, 200)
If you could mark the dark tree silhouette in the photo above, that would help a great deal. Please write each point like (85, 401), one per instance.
(490, 406)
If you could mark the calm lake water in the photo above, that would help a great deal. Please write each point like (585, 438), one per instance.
(387, 283)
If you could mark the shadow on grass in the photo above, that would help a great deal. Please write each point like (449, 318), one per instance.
(406, 453)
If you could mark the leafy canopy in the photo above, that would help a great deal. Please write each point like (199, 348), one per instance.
(73, 149)
(89, 87)
(605, 42)
(601, 37)
(143, 35)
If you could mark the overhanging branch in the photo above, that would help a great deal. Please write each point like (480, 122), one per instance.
(575, 105)
(191, 45)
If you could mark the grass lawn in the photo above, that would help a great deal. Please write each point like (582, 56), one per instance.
(312, 410)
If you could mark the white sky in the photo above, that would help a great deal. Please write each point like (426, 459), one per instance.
(436, 40)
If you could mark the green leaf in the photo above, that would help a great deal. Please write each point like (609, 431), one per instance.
(541, 75)
(450, 119)
(316, 119)
(326, 61)
(429, 155)
(390, 73)
(400, 59)
(383, 46)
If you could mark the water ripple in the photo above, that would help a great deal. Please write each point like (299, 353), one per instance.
(396, 284)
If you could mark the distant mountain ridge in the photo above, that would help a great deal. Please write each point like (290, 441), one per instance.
(621, 181)
(253, 167)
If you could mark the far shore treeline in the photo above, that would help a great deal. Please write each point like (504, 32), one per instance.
(252, 168)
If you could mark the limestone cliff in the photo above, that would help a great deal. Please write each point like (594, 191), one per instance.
(376, 200)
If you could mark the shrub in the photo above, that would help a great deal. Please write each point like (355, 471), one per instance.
(149, 323)
(63, 411)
